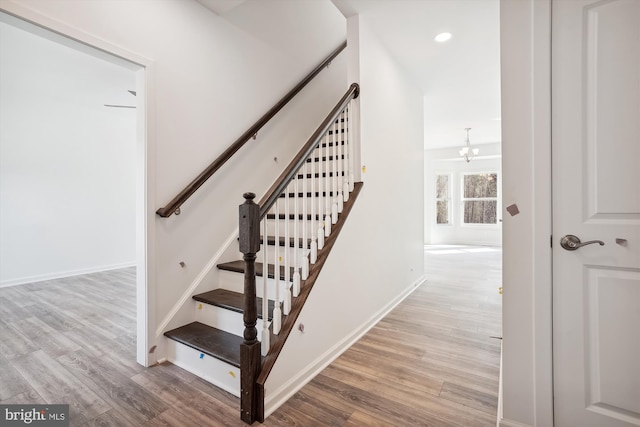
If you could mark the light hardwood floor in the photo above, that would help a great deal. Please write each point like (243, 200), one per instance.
(430, 362)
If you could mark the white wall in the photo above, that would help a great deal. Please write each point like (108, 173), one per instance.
(378, 257)
(527, 387)
(207, 82)
(67, 163)
(446, 161)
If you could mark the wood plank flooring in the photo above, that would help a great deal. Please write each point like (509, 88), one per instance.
(430, 362)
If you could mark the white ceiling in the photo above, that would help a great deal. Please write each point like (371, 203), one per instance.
(460, 79)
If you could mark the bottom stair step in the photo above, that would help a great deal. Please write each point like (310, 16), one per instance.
(214, 342)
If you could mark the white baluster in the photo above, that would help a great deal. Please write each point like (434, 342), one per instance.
(277, 311)
(351, 166)
(320, 196)
(340, 197)
(334, 178)
(345, 174)
(327, 199)
(296, 239)
(287, 243)
(313, 245)
(304, 270)
(266, 336)
(305, 258)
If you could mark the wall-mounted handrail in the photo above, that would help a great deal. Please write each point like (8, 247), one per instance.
(174, 205)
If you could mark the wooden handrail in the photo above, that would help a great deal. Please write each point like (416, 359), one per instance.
(174, 205)
(281, 183)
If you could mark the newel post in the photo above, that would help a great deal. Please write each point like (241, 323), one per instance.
(249, 237)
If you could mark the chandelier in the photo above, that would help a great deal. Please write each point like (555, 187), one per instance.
(467, 152)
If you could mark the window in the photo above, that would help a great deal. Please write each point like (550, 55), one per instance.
(442, 199)
(480, 198)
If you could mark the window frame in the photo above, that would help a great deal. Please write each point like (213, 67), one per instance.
(450, 216)
(463, 199)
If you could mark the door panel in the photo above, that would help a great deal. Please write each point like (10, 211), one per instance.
(596, 196)
(613, 370)
(610, 69)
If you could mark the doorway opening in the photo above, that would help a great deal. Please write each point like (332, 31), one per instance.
(73, 167)
(463, 190)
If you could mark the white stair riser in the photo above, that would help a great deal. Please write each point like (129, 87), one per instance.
(317, 179)
(271, 227)
(221, 318)
(281, 250)
(320, 170)
(217, 372)
(319, 202)
(235, 282)
(282, 224)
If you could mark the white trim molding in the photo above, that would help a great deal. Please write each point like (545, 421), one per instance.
(511, 423)
(63, 274)
(145, 182)
(525, 45)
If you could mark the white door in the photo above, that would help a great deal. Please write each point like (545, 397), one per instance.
(596, 196)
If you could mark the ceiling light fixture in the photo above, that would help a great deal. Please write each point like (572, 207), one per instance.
(467, 152)
(442, 37)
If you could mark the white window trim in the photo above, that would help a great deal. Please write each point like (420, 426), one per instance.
(449, 200)
(463, 199)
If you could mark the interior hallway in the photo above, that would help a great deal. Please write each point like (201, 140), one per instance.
(431, 361)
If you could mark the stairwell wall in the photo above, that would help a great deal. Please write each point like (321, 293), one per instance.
(209, 82)
(378, 259)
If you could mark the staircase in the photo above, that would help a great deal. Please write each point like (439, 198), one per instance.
(298, 228)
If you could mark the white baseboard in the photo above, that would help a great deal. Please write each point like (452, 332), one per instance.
(511, 423)
(499, 412)
(63, 274)
(274, 400)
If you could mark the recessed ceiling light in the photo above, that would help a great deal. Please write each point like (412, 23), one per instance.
(442, 37)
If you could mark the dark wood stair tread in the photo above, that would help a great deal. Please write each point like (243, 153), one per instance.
(310, 194)
(324, 158)
(317, 175)
(230, 300)
(214, 342)
(293, 217)
(340, 141)
(238, 267)
(271, 241)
